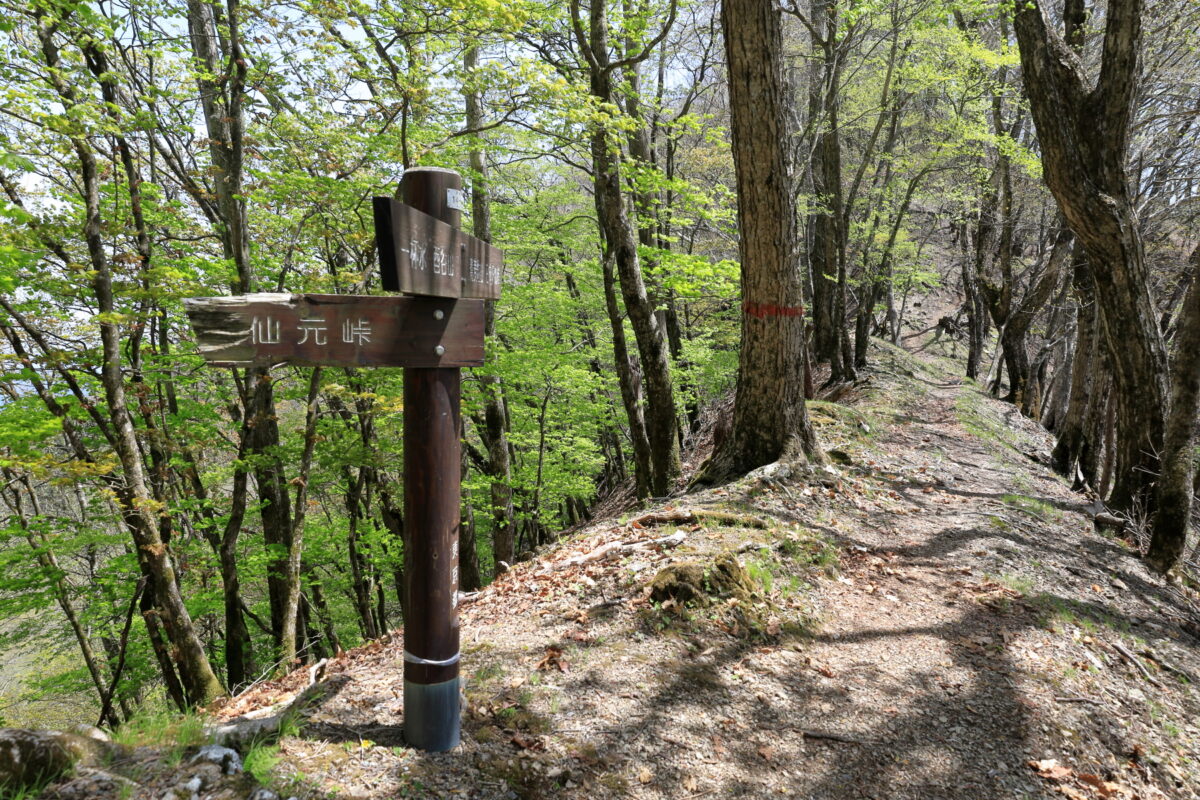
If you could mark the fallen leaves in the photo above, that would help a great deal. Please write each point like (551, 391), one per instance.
(989, 593)
(718, 746)
(1050, 769)
(525, 742)
(1079, 785)
(577, 616)
(1105, 788)
(578, 635)
(552, 660)
(980, 644)
(824, 670)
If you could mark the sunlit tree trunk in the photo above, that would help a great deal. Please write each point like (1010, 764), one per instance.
(222, 67)
(620, 243)
(134, 497)
(1084, 131)
(494, 431)
(769, 412)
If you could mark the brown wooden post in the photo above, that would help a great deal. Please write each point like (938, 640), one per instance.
(421, 252)
(432, 495)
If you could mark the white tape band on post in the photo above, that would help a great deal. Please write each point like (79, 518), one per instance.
(410, 658)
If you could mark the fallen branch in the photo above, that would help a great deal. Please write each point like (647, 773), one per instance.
(697, 516)
(265, 723)
(824, 735)
(1091, 700)
(833, 737)
(614, 549)
(1132, 659)
(1112, 522)
(1183, 673)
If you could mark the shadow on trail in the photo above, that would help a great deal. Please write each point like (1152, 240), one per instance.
(340, 732)
(964, 738)
(335, 733)
(909, 489)
(943, 738)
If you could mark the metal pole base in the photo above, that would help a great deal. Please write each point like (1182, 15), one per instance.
(432, 715)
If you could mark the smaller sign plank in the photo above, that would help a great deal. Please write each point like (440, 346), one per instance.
(419, 254)
(338, 330)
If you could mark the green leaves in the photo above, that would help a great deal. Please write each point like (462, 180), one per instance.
(25, 427)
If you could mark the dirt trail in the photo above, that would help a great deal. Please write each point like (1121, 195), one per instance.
(974, 623)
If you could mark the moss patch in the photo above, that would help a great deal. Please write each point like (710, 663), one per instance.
(692, 582)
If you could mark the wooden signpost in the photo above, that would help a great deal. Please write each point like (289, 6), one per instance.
(338, 330)
(421, 252)
(429, 257)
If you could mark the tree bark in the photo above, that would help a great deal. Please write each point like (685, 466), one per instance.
(360, 571)
(137, 505)
(1175, 482)
(222, 102)
(1074, 427)
(494, 432)
(827, 259)
(1084, 134)
(1020, 320)
(288, 640)
(469, 578)
(628, 381)
(769, 414)
(620, 243)
(973, 302)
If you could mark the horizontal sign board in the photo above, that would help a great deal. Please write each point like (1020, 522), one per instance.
(338, 330)
(419, 254)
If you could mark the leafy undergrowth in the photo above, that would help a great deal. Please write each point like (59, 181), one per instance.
(930, 615)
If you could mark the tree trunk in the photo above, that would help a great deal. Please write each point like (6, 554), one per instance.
(769, 412)
(976, 312)
(1084, 134)
(289, 641)
(1074, 428)
(495, 430)
(468, 557)
(360, 572)
(1051, 374)
(1020, 320)
(827, 260)
(318, 598)
(222, 103)
(609, 437)
(620, 242)
(161, 649)
(273, 492)
(134, 498)
(629, 382)
(1175, 483)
